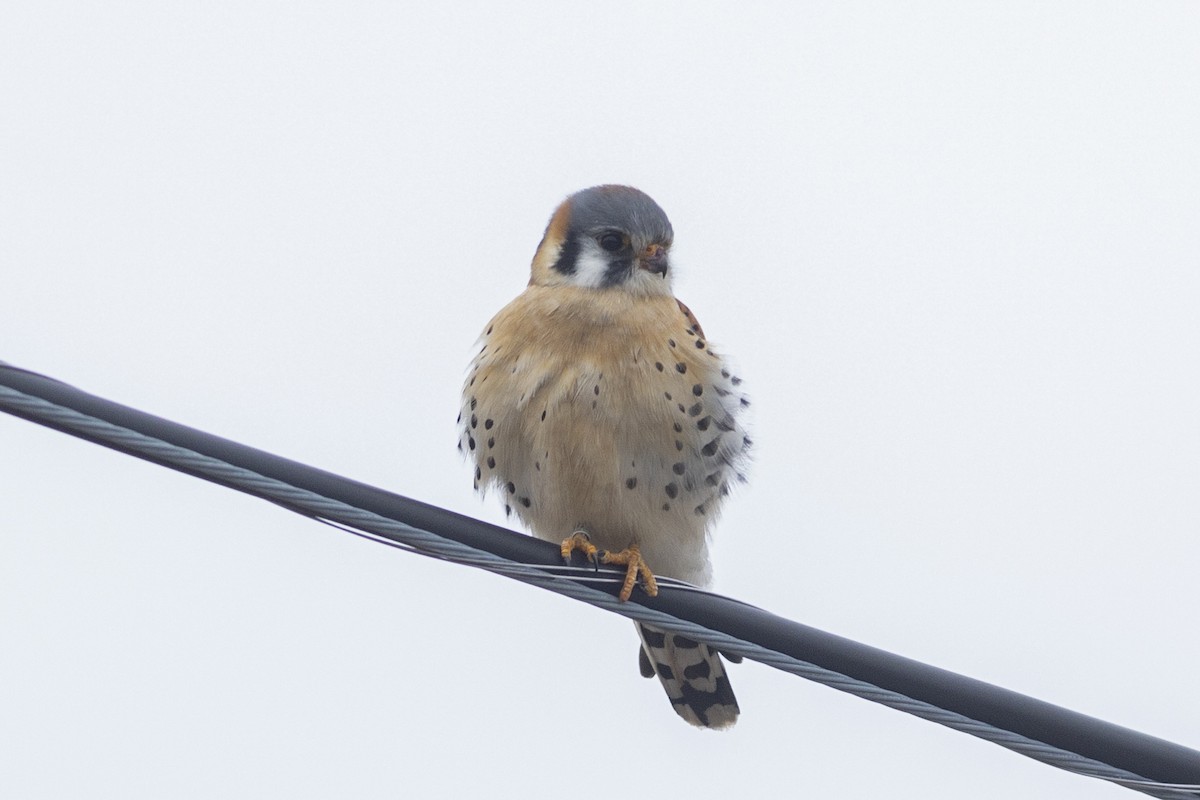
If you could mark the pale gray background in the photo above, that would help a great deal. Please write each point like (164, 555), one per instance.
(954, 249)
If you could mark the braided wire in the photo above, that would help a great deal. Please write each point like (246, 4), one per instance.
(570, 581)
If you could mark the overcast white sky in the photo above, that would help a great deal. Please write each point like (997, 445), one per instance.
(955, 249)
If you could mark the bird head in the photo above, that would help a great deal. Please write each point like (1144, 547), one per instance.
(606, 238)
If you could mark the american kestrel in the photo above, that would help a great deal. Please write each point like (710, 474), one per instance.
(599, 410)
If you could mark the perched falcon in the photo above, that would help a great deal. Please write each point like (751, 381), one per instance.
(600, 412)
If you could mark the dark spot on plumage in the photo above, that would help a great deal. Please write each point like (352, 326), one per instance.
(703, 423)
(472, 382)
(593, 404)
(514, 372)
(567, 257)
(460, 447)
(721, 392)
(745, 401)
(682, 409)
(491, 462)
(678, 427)
(684, 643)
(724, 373)
(537, 465)
(596, 389)
(678, 467)
(525, 501)
(671, 342)
(666, 506)
(487, 424)
(714, 479)
(697, 390)
(459, 418)
(710, 449)
(697, 671)
(724, 490)
(665, 672)
(633, 463)
(478, 473)
(672, 490)
(699, 344)
(656, 639)
(695, 410)
(474, 421)
(543, 415)
(631, 483)
(511, 488)
(678, 445)
(726, 425)
(475, 485)
(491, 442)
(489, 331)
(471, 442)
(688, 484)
(700, 510)
(644, 665)
(658, 366)
(681, 367)
(735, 380)
(711, 354)
(741, 476)
(473, 401)
(746, 443)
(667, 395)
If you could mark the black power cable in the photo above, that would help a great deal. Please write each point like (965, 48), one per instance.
(1035, 728)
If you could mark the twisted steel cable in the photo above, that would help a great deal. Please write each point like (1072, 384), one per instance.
(1108, 752)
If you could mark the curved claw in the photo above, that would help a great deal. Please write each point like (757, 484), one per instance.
(635, 566)
(579, 540)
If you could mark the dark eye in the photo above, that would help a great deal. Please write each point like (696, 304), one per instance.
(611, 241)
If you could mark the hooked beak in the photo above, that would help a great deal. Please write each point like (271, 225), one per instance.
(654, 259)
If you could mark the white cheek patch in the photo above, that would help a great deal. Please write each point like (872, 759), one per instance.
(591, 266)
(591, 270)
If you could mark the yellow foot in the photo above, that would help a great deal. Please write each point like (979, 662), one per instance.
(579, 540)
(631, 557)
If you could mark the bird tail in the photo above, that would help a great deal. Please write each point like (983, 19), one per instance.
(693, 675)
